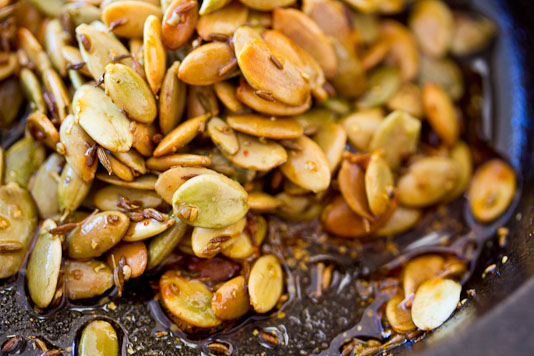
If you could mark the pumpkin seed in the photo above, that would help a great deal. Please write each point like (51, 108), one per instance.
(361, 125)
(188, 300)
(298, 207)
(365, 25)
(396, 137)
(378, 184)
(248, 96)
(408, 99)
(55, 87)
(350, 78)
(135, 256)
(441, 113)
(146, 228)
(179, 159)
(206, 243)
(143, 137)
(267, 127)
(1, 166)
(11, 99)
(231, 300)
(226, 93)
(32, 89)
(399, 316)
(433, 25)
(208, 64)
(283, 80)
(97, 234)
(434, 302)
(222, 21)
(443, 72)
(419, 270)
(18, 220)
(244, 245)
(8, 66)
(403, 50)
(102, 119)
(87, 279)
(210, 200)
(471, 34)
(331, 16)
(265, 283)
(212, 5)
(52, 8)
(179, 23)
(256, 154)
(78, 148)
(161, 246)
(99, 48)
(307, 34)
(331, 138)
(492, 190)
(42, 271)
(308, 166)
(126, 18)
(461, 155)
(201, 100)
(383, 83)
(32, 48)
(169, 181)
(130, 93)
(44, 188)
(112, 197)
(154, 56)
(146, 182)
(428, 181)
(312, 120)
(42, 129)
(222, 135)
(55, 39)
(222, 165)
(172, 100)
(71, 190)
(132, 159)
(83, 12)
(22, 160)
(262, 201)
(375, 54)
(181, 135)
(351, 180)
(402, 220)
(99, 339)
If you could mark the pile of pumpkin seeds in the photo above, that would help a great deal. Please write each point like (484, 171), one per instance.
(183, 125)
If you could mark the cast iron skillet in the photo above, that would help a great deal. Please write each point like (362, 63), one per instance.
(498, 320)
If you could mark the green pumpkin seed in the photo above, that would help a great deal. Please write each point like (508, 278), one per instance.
(298, 207)
(222, 165)
(146, 228)
(210, 200)
(178, 159)
(161, 246)
(52, 8)
(313, 119)
(361, 126)
(212, 5)
(130, 92)
(22, 160)
(432, 23)
(71, 190)
(32, 89)
(265, 283)
(396, 137)
(55, 87)
(76, 144)
(244, 245)
(87, 279)
(132, 159)
(222, 135)
(383, 84)
(42, 271)
(102, 119)
(97, 234)
(378, 185)
(99, 339)
(443, 72)
(109, 198)
(146, 182)
(402, 220)
(206, 243)
(172, 100)
(44, 188)
(461, 155)
(267, 127)
(332, 138)
(399, 316)
(81, 12)
(55, 39)
(11, 99)
(169, 181)
(18, 220)
(428, 181)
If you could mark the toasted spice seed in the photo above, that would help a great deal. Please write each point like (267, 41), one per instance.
(10, 246)
(265, 95)
(271, 339)
(121, 57)
(327, 276)
(117, 23)
(127, 204)
(220, 37)
(104, 159)
(91, 153)
(276, 62)
(227, 67)
(12, 344)
(100, 80)
(85, 42)
(63, 229)
(75, 66)
(204, 103)
(189, 213)
(320, 271)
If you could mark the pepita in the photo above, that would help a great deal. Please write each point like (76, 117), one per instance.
(434, 302)
(181, 135)
(231, 300)
(223, 136)
(206, 243)
(126, 18)
(399, 316)
(87, 279)
(161, 246)
(378, 184)
(44, 188)
(170, 180)
(256, 154)
(99, 339)
(441, 114)
(331, 138)
(22, 160)
(71, 190)
(222, 21)
(114, 197)
(179, 23)
(171, 100)
(432, 23)
(265, 283)
(154, 56)
(135, 256)
(146, 228)
(361, 126)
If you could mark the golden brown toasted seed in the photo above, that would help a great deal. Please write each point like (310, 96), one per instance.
(262, 201)
(223, 136)
(146, 228)
(130, 92)
(268, 127)
(492, 190)
(223, 21)
(146, 182)
(226, 93)
(206, 242)
(102, 119)
(32, 89)
(23, 159)
(44, 188)
(74, 60)
(206, 64)
(33, 49)
(171, 100)
(461, 155)
(434, 302)
(408, 99)
(361, 126)
(72, 189)
(246, 94)
(201, 100)
(441, 113)
(265, 283)
(399, 316)
(419, 270)
(332, 138)
(178, 159)
(267, 5)
(308, 166)
(179, 23)
(55, 87)
(256, 154)
(383, 83)
(170, 180)
(55, 39)
(181, 135)
(9, 64)
(375, 54)
(42, 129)
(433, 25)
(403, 50)
(154, 53)
(131, 159)
(143, 137)
(231, 300)
(116, 167)
(331, 17)
(378, 184)
(351, 180)
(188, 300)
(87, 279)
(126, 18)
(308, 35)
(402, 220)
